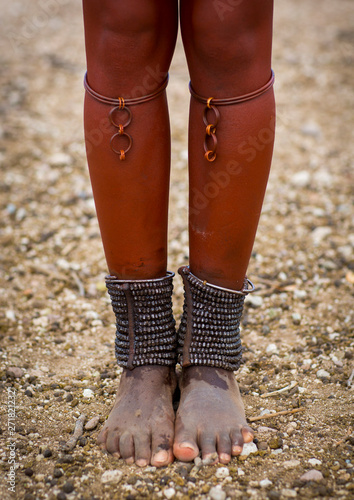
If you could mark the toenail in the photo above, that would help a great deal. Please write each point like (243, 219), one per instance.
(161, 456)
(116, 454)
(141, 462)
(129, 460)
(225, 457)
(236, 449)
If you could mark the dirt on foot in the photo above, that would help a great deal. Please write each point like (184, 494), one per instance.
(56, 324)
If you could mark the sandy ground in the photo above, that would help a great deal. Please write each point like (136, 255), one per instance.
(56, 326)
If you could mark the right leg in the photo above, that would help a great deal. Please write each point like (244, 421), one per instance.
(129, 46)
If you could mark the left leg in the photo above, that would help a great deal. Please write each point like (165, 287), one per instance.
(229, 55)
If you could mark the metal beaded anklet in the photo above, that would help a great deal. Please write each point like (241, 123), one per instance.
(209, 332)
(146, 331)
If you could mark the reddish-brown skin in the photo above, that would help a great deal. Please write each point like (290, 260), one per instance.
(129, 47)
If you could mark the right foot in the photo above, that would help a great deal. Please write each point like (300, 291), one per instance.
(140, 427)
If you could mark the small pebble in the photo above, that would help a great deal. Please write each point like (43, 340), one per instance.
(222, 472)
(254, 301)
(88, 393)
(248, 448)
(262, 445)
(296, 317)
(61, 495)
(265, 483)
(68, 487)
(14, 371)
(288, 493)
(92, 423)
(58, 473)
(169, 493)
(323, 374)
(29, 393)
(272, 349)
(29, 472)
(314, 461)
(312, 475)
(301, 179)
(82, 441)
(291, 464)
(112, 476)
(216, 493)
(47, 453)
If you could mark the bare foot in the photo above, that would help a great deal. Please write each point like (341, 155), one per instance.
(140, 427)
(211, 416)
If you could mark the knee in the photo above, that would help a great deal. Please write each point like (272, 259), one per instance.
(230, 38)
(121, 34)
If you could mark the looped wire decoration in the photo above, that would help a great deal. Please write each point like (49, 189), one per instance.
(119, 105)
(210, 141)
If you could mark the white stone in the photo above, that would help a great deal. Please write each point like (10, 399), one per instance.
(265, 483)
(88, 393)
(301, 179)
(254, 301)
(323, 374)
(272, 349)
(169, 493)
(285, 492)
(248, 448)
(314, 461)
(216, 493)
(112, 476)
(59, 159)
(10, 315)
(240, 472)
(320, 233)
(222, 472)
(312, 475)
(291, 464)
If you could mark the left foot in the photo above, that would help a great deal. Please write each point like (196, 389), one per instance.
(211, 417)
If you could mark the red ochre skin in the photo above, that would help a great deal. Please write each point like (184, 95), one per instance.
(129, 46)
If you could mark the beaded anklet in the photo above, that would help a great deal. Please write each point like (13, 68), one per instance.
(209, 332)
(146, 333)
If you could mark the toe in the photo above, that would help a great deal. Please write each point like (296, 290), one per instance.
(126, 447)
(247, 434)
(237, 442)
(162, 448)
(142, 450)
(224, 448)
(185, 448)
(102, 437)
(112, 442)
(207, 443)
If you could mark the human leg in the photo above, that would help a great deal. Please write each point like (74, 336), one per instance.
(228, 56)
(129, 46)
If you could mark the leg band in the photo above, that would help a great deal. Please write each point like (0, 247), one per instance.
(210, 141)
(120, 115)
(146, 333)
(209, 332)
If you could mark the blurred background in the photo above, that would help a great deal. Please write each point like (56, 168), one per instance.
(55, 322)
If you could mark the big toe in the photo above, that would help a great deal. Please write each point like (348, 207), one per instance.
(185, 448)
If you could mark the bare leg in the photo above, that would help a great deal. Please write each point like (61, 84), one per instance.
(228, 56)
(129, 46)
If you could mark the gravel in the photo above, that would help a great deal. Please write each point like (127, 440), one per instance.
(56, 325)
